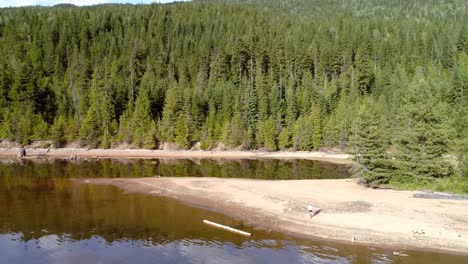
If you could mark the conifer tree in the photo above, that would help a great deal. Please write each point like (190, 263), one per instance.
(365, 74)
(273, 80)
(317, 127)
(267, 135)
(250, 112)
(423, 141)
(142, 121)
(369, 149)
(181, 131)
(169, 114)
(284, 138)
(58, 131)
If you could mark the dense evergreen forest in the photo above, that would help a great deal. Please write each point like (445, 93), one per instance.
(386, 80)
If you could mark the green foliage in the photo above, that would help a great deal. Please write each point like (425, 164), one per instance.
(317, 127)
(207, 144)
(307, 134)
(91, 129)
(41, 128)
(284, 141)
(181, 131)
(250, 113)
(142, 123)
(150, 140)
(267, 135)
(455, 184)
(58, 131)
(369, 148)
(288, 75)
(463, 157)
(459, 99)
(302, 134)
(171, 108)
(365, 75)
(125, 133)
(98, 126)
(236, 131)
(422, 141)
(19, 123)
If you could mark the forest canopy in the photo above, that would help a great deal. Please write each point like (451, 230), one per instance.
(385, 80)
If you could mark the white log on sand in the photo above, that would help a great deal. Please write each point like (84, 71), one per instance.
(227, 228)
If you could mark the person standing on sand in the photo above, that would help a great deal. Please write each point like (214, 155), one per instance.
(22, 152)
(313, 210)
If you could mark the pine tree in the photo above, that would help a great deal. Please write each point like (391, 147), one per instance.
(40, 127)
(271, 80)
(276, 101)
(369, 149)
(317, 127)
(169, 114)
(263, 102)
(460, 101)
(181, 131)
(238, 135)
(92, 130)
(302, 134)
(58, 131)
(462, 40)
(151, 140)
(125, 133)
(365, 74)
(267, 135)
(460, 83)
(422, 142)
(250, 113)
(141, 120)
(420, 153)
(98, 123)
(284, 138)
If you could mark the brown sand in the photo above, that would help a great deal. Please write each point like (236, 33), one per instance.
(350, 212)
(145, 153)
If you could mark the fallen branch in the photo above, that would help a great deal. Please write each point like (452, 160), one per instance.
(227, 228)
(400, 253)
(438, 195)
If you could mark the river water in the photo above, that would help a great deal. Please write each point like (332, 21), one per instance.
(45, 217)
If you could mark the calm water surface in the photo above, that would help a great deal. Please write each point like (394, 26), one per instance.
(47, 218)
(228, 168)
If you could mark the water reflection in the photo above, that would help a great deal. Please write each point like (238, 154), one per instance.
(245, 168)
(47, 218)
(36, 207)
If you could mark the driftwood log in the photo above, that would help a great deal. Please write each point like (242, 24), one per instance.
(227, 228)
(439, 195)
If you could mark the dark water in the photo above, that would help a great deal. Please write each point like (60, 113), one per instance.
(115, 168)
(47, 218)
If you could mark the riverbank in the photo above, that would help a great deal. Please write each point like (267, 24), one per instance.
(350, 212)
(145, 153)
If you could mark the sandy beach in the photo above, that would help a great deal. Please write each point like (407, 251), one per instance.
(350, 212)
(145, 153)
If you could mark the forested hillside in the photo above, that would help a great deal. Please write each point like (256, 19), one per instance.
(385, 80)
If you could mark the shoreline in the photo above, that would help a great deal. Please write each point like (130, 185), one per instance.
(350, 212)
(175, 154)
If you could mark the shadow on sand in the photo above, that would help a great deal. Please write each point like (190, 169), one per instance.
(315, 213)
